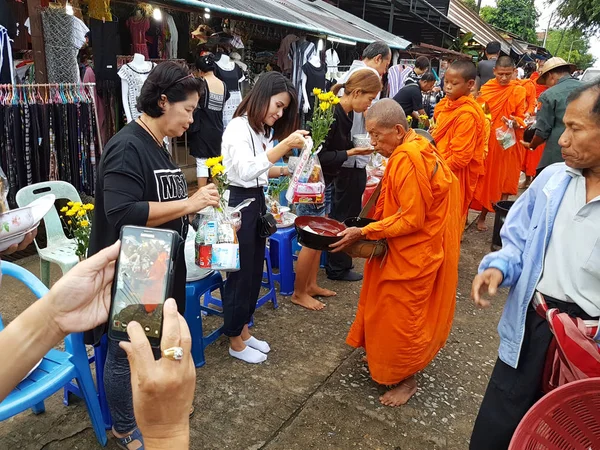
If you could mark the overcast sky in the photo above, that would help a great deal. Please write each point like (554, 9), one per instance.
(543, 24)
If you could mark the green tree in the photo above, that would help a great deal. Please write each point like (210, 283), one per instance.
(471, 4)
(559, 43)
(584, 14)
(516, 16)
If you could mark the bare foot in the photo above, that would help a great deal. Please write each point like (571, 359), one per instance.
(481, 226)
(306, 301)
(365, 360)
(318, 291)
(401, 394)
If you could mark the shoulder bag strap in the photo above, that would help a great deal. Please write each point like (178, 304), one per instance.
(253, 146)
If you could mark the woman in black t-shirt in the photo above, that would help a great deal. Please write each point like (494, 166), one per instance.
(139, 184)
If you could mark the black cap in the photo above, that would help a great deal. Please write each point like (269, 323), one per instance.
(493, 48)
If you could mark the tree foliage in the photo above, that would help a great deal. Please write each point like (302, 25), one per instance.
(516, 16)
(559, 43)
(471, 4)
(584, 14)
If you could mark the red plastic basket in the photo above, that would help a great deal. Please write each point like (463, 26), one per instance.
(567, 418)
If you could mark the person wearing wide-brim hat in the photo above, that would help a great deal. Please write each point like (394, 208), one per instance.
(552, 103)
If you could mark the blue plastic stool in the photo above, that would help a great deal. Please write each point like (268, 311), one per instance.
(280, 245)
(100, 359)
(194, 305)
(56, 369)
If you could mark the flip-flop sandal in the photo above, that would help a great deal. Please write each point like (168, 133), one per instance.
(135, 436)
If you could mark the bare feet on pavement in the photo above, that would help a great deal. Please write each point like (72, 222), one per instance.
(318, 291)
(401, 394)
(306, 301)
(481, 226)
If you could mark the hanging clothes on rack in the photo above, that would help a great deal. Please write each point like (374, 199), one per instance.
(50, 133)
(300, 53)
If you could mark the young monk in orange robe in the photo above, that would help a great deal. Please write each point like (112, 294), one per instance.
(533, 157)
(460, 129)
(407, 300)
(506, 99)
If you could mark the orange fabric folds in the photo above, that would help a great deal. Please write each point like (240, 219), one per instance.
(503, 101)
(460, 136)
(407, 301)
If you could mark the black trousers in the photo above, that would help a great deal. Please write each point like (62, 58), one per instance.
(512, 392)
(243, 287)
(347, 202)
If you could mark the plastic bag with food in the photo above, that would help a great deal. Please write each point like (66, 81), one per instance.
(216, 242)
(307, 184)
(505, 135)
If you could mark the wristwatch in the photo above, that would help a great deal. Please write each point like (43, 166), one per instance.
(281, 171)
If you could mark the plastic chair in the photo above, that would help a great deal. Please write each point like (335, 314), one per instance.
(568, 418)
(195, 305)
(59, 250)
(55, 371)
(271, 295)
(280, 246)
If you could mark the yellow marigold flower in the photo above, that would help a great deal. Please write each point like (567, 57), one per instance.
(335, 100)
(70, 212)
(323, 97)
(65, 209)
(220, 158)
(317, 91)
(81, 213)
(70, 222)
(88, 207)
(423, 116)
(70, 204)
(409, 119)
(84, 223)
(324, 106)
(331, 96)
(210, 162)
(218, 169)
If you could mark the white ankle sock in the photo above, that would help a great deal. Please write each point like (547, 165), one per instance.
(257, 344)
(249, 355)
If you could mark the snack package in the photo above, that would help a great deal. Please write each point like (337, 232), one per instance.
(3, 192)
(307, 184)
(505, 136)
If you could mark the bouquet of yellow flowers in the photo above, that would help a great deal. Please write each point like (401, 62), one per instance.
(218, 176)
(322, 118)
(77, 218)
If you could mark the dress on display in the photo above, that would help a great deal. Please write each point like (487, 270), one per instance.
(172, 44)
(138, 29)
(99, 9)
(332, 60)
(206, 132)
(106, 44)
(135, 80)
(300, 52)
(7, 75)
(315, 78)
(232, 79)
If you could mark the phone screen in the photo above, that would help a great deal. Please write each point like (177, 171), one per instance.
(141, 282)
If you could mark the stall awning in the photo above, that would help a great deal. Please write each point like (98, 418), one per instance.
(469, 21)
(311, 16)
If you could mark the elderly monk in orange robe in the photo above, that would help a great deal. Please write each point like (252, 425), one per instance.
(506, 100)
(407, 300)
(460, 129)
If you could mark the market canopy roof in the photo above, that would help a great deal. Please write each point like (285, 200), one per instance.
(313, 16)
(469, 21)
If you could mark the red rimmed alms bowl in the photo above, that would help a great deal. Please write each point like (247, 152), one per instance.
(318, 233)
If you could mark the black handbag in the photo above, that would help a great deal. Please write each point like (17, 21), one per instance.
(267, 225)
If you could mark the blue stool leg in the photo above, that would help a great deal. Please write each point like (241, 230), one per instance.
(194, 320)
(38, 408)
(100, 355)
(286, 268)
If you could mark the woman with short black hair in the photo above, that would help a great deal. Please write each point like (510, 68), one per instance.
(268, 113)
(139, 184)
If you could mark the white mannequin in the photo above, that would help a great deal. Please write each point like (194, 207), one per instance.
(139, 64)
(225, 63)
(314, 61)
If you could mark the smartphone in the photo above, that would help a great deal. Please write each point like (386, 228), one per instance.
(143, 281)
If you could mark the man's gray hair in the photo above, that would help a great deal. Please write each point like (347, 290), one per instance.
(375, 49)
(387, 113)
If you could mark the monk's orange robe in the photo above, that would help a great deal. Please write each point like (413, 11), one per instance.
(407, 300)
(503, 101)
(459, 135)
(511, 181)
(533, 157)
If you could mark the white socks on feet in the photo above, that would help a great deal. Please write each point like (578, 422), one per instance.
(257, 344)
(249, 355)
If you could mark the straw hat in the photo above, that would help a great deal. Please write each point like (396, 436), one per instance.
(552, 64)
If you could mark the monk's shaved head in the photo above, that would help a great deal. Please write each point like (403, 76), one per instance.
(466, 69)
(387, 113)
(505, 62)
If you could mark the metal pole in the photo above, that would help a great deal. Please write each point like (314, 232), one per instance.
(571, 48)
(547, 28)
(391, 20)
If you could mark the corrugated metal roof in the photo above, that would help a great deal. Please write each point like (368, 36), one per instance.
(469, 21)
(311, 16)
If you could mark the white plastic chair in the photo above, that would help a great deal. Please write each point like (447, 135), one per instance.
(59, 250)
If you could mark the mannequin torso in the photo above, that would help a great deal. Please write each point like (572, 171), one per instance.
(133, 76)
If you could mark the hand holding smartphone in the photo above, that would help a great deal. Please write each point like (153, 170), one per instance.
(143, 281)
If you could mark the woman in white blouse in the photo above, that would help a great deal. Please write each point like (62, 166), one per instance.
(269, 112)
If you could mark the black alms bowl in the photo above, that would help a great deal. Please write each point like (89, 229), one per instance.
(326, 232)
(358, 222)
